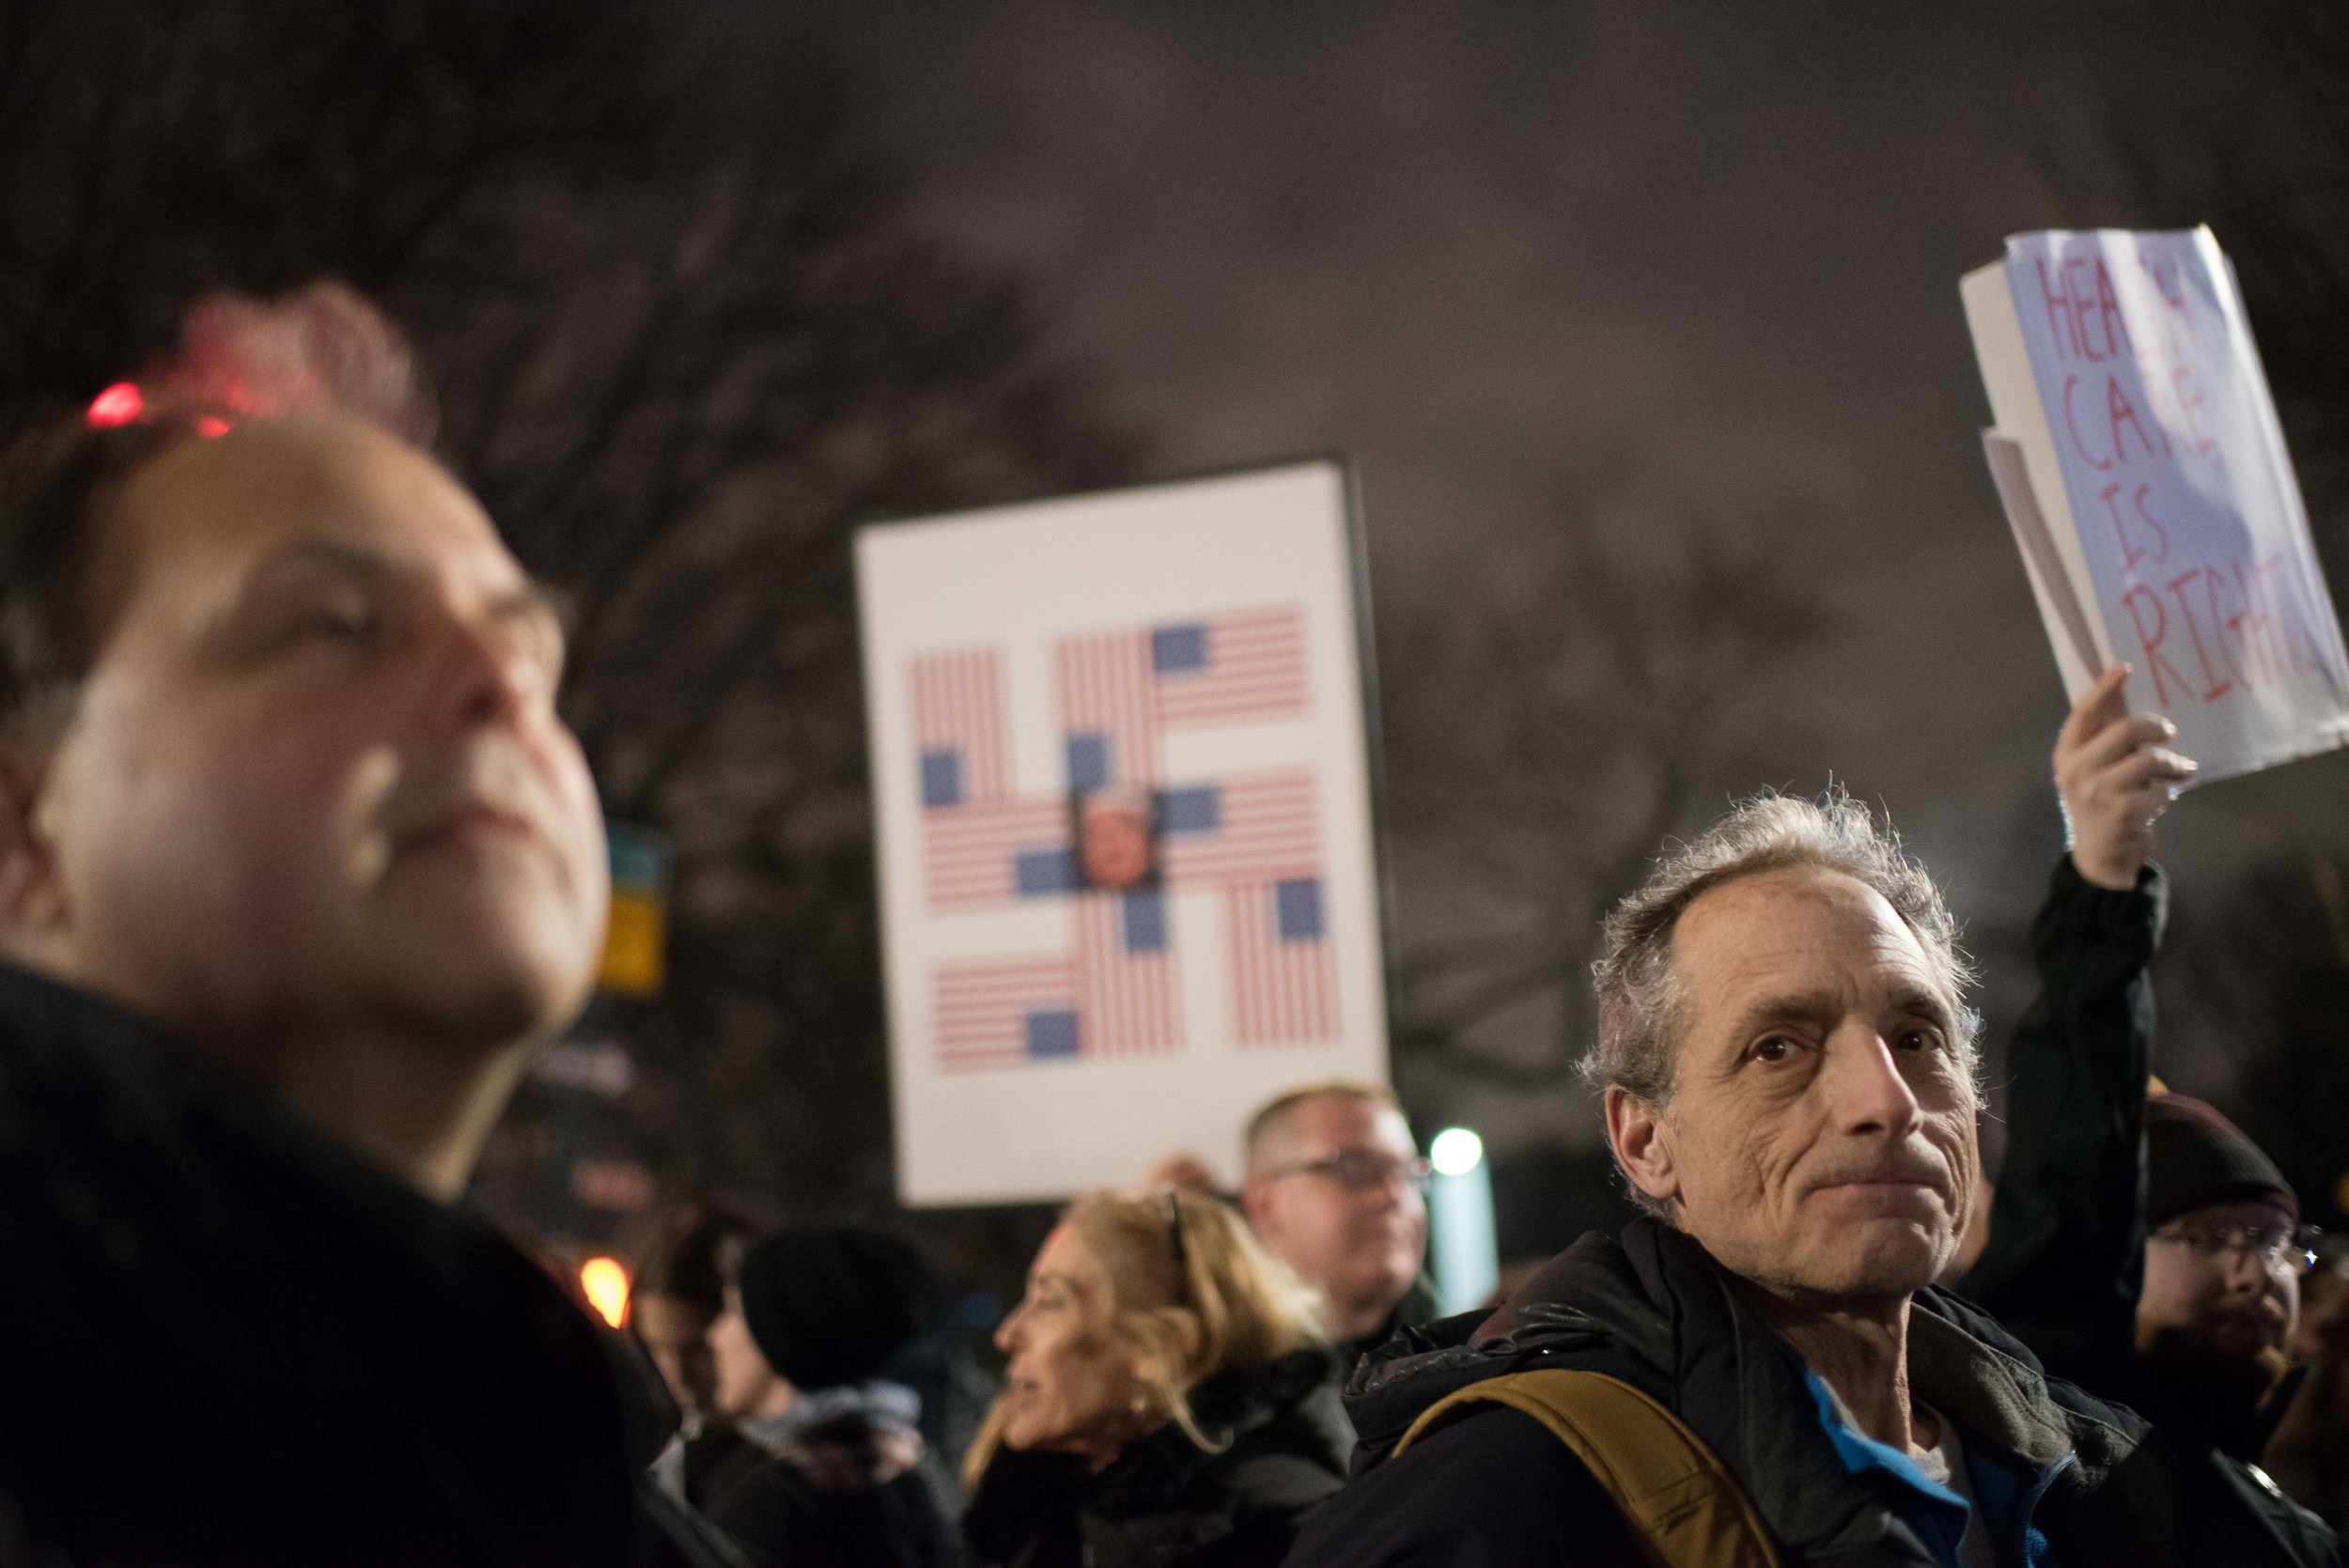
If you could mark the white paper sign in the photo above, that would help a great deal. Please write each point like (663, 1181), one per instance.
(2169, 467)
(1129, 889)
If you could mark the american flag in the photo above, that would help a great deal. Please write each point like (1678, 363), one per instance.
(1003, 1012)
(1248, 828)
(1285, 987)
(1243, 667)
(1109, 712)
(996, 852)
(960, 728)
(1126, 977)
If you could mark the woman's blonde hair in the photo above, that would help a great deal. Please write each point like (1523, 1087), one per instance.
(1191, 1292)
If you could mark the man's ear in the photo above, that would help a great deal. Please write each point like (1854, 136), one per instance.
(32, 901)
(1256, 1203)
(1641, 1142)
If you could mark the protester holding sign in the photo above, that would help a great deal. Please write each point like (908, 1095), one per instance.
(1759, 1371)
(2174, 1291)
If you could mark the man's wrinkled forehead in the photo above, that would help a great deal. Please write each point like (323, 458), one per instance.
(216, 507)
(1798, 931)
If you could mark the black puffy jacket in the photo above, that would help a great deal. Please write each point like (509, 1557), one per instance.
(2063, 1477)
(2066, 1256)
(226, 1338)
(846, 1492)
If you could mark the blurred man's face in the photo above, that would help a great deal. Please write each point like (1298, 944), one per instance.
(1116, 845)
(2225, 1312)
(1355, 1244)
(315, 780)
(677, 1336)
(1820, 1137)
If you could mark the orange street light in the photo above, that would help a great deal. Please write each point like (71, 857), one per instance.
(605, 1283)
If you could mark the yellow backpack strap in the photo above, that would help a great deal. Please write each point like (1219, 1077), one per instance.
(1684, 1507)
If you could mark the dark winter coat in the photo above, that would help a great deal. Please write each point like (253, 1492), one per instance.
(2050, 1466)
(1164, 1502)
(845, 1491)
(2066, 1256)
(1416, 1308)
(227, 1339)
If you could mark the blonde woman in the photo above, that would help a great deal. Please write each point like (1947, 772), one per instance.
(1168, 1399)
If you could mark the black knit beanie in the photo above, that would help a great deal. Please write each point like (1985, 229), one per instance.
(2195, 1158)
(836, 1305)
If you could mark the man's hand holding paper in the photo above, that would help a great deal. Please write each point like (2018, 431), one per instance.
(2117, 775)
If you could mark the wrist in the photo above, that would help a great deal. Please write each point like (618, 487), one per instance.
(2114, 873)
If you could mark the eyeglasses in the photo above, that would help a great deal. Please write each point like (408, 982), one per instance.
(2285, 1249)
(1359, 1170)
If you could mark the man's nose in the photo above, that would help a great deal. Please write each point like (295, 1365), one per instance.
(1867, 1092)
(2245, 1267)
(1393, 1190)
(1008, 1332)
(492, 669)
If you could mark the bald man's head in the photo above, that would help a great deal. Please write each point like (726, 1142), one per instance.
(1272, 1133)
(1332, 1189)
(281, 749)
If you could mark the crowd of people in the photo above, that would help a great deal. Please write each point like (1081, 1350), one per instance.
(299, 866)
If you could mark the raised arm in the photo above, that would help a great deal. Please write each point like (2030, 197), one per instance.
(2066, 1258)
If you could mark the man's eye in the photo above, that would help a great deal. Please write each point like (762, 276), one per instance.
(1920, 1039)
(332, 623)
(1776, 1047)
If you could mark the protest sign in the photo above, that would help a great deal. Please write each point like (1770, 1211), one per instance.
(2142, 469)
(1122, 782)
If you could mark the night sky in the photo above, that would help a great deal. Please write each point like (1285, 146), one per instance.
(1480, 248)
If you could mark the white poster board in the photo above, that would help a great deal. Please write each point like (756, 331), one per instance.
(1128, 886)
(2143, 471)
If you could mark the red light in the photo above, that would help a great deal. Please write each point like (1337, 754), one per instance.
(209, 426)
(119, 404)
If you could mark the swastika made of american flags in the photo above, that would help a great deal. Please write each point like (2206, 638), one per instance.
(1250, 840)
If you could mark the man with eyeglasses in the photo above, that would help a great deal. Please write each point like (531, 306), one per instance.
(2141, 1245)
(1332, 1190)
(2225, 1251)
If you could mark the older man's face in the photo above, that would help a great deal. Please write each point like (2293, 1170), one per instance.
(316, 781)
(1820, 1137)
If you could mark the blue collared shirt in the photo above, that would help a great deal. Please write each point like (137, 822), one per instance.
(1938, 1515)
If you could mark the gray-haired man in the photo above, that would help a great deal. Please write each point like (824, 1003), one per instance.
(1787, 1061)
